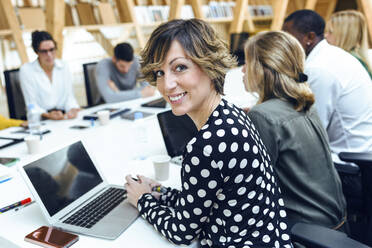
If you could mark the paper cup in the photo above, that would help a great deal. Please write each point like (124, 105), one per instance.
(103, 117)
(33, 144)
(161, 167)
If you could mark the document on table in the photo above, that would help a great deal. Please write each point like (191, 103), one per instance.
(13, 190)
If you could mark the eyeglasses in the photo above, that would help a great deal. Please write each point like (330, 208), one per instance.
(45, 51)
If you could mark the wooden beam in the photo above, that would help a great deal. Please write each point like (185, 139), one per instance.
(280, 10)
(175, 9)
(331, 8)
(103, 41)
(240, 10)
(366, 6)
(310, 4)
(197, 8)
(126, 13)
(298, 4)
(55, 22)
(10, 16)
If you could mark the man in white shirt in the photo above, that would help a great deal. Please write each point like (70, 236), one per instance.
(46, 82)
(342, 87)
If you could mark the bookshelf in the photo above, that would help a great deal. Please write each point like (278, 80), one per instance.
(137, 18)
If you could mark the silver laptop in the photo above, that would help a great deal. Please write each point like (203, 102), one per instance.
(74, 196)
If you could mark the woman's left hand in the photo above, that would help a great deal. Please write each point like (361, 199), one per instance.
(72, 113)
(135, 189)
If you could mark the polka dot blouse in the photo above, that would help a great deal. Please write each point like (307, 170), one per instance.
(229, 196)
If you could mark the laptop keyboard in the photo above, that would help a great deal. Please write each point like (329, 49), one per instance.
(97, 209)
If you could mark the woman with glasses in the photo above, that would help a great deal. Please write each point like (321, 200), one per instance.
(47, 82)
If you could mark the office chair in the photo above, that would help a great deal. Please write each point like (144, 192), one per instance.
(16, 102)
(237, 41)
(357, 187)
(316, 236)
(93, 96)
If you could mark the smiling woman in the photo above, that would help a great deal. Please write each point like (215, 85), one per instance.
(47, 83)
(229, 195)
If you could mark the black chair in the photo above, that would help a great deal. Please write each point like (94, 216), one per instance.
(357, 187)
(16, 102)
(237, 41)
(93, 96)
(314, 236)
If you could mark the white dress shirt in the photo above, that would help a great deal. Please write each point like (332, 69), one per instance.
(44, 94)
(343, 97)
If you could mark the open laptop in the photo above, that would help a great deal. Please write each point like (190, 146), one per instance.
(74, 196)
(177, 132)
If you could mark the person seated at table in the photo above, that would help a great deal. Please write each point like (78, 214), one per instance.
(47, 82)
(116, 77)
(348, 30)
(5, 123)
(291, 130)
(341, 86)
(229, 195)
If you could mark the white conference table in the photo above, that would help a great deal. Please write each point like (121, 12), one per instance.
(113, 147)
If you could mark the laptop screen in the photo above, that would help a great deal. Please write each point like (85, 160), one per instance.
(63, 176)
(177, 131)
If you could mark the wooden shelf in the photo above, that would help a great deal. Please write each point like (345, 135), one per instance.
(93, 18)
(5, 32)
(262, 18)
(219, 20)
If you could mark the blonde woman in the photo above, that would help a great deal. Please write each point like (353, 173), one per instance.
(291, 130)
(348, 29)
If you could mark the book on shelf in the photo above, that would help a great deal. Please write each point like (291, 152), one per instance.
(218, 9)
(151, 14)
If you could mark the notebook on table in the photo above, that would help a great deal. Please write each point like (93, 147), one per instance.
(113, 113)
(73, 194)
(177, 131)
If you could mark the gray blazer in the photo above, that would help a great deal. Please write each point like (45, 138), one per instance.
(300, 153)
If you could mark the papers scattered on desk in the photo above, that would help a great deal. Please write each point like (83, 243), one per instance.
(6, 243)
(13, 190)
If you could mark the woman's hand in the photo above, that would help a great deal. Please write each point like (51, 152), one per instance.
(72, 113)
(135, 189)
(54, 115)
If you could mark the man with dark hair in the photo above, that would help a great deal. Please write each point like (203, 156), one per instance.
(341, 85)
(117, 76)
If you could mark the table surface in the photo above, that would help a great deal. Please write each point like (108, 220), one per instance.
(114, 149)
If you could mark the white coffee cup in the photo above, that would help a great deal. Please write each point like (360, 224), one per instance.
(33, 144)
(161, 167)
(103, 117)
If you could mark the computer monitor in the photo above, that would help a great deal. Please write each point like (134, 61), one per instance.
(177, 132)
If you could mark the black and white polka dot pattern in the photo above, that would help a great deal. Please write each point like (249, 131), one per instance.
(229, 195)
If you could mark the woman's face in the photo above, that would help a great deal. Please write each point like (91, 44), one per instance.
(47, 53)
(331, 39)
(245, 76)
(183, 84)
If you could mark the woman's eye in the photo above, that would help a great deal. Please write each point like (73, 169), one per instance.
(180, 68)
(159, 73)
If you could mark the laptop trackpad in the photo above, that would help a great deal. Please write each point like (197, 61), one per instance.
(116, 221)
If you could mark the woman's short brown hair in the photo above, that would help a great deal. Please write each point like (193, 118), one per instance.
(201, 44)
(275, 65)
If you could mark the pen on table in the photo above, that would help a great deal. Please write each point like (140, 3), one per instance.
(159, 189)
(5, 180)
(17, 204)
